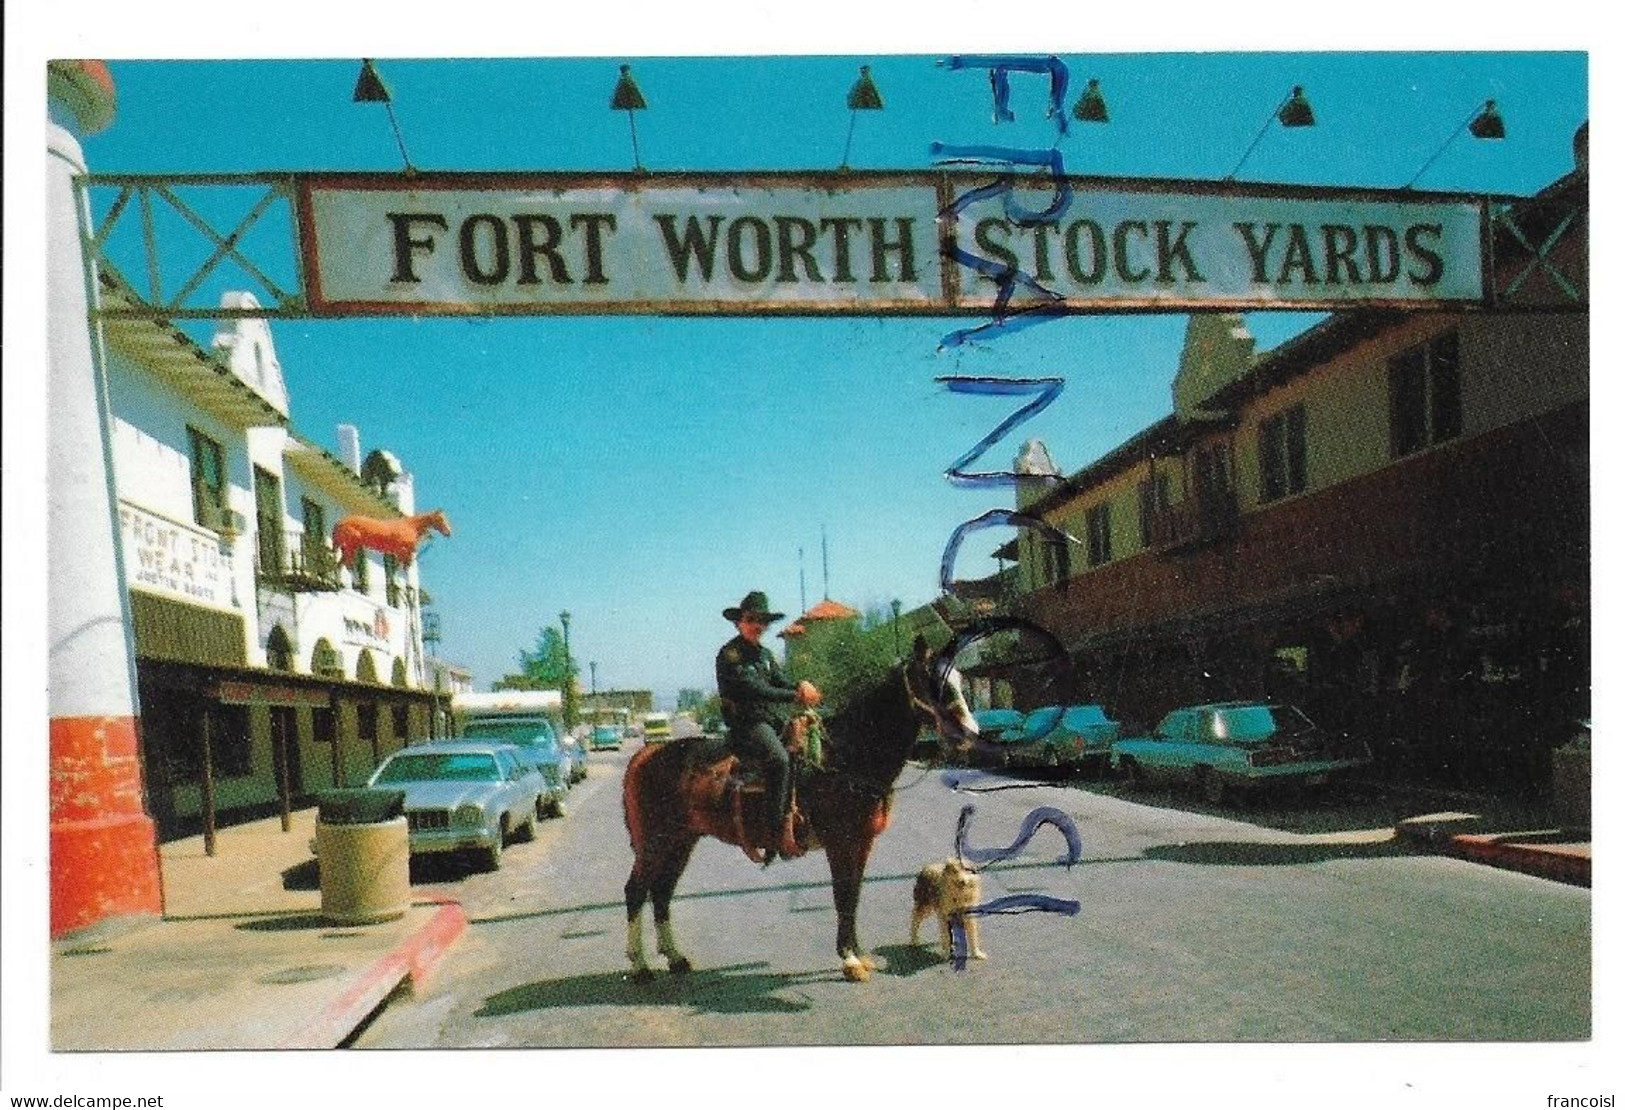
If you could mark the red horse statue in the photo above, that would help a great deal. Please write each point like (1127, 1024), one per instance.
(846, 803)
(399, 537)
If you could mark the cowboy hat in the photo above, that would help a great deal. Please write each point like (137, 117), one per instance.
(753, 602)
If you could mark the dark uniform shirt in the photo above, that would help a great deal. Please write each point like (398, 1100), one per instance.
(753, 689)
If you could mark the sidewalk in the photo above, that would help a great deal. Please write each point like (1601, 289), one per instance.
(242, 957)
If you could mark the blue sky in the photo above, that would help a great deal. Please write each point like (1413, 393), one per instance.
(643, 473)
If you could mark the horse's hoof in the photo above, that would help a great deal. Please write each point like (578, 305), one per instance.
(640, 976)
(680, 966)
(855, 971)
(868, 961)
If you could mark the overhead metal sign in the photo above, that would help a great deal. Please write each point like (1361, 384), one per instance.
(873, 244)
(938, 242)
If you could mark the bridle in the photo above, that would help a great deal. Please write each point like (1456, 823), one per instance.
(929, 705)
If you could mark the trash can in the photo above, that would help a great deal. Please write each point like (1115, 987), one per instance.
(363, 855)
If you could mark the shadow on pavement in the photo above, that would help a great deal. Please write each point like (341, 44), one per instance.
(735, 989)
(302, 876)
(903, 960)
(1253, 854)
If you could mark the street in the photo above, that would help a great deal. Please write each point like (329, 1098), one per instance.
(1290, 922)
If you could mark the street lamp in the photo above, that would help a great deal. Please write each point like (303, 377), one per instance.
(594, 666)
(1294, 111)
(1486, 123)
(864, 97)
(569, 673)
(370, 89)
(896, 628)
(628, 98)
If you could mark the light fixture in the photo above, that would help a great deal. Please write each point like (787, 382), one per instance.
(370, 89)
(1294, 111)
(864, 97)
(1486, 123)
(1091, 106)
(628, 98)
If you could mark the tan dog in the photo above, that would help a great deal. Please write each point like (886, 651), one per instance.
(947, 889)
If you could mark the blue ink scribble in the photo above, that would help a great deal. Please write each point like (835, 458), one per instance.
(1027, 903)
(1043, 815)
(996, 518)
(1000, 66)
(1047, 389)
(959, 943)
(1054, 160)
(1007, 324)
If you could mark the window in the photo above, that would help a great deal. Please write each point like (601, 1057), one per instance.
(1210, 471)
(1052, 556)
(1155, 500)
(1099, 524)
(314, 544)
(268, 514)
(325, 660)
(392, 585)
(1424, 395)
(208, 479)
(230, 748)
(1283, 456)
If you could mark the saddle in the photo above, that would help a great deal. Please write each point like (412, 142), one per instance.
(724, 796)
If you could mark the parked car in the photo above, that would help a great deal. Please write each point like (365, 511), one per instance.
(996, 728)
(520, 714)
(606, 737)
(463, 796)
(578, 751)
(656, 728)
(1231, 747)
(1070, 737)
(540, 748)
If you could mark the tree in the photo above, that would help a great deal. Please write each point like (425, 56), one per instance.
(846, 657)
(546, 667)
(690, 699)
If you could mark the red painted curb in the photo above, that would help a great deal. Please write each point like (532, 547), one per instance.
(410, 961)
(1566, 867)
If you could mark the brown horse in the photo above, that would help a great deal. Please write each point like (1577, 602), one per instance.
(399, 537)
(847, 803)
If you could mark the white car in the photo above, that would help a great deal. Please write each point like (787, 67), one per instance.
(463, 796)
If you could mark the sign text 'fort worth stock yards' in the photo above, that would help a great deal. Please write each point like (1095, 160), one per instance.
(872, 244)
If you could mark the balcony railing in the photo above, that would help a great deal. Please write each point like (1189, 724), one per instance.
(298, 565)
(1196, 522)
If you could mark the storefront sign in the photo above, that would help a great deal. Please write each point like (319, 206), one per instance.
(174, 560)
(229, 692)
(369, 631)
(872, 244)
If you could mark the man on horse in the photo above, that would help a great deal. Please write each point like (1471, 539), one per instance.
(755, 694)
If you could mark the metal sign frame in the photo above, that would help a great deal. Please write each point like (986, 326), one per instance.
(291, 194)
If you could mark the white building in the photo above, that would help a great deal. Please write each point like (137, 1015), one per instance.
(266, 670)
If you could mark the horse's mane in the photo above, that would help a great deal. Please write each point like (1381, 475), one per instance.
(873, 729)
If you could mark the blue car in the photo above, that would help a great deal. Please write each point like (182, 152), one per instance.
(537, 745)
(1063, 737)
(1238, 747)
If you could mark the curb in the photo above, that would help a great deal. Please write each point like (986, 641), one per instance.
(411, 961)
(1544, 861)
